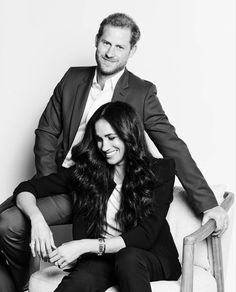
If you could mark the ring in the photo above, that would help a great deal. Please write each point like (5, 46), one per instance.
(58, 265)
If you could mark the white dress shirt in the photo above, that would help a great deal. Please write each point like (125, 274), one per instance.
(113, 206)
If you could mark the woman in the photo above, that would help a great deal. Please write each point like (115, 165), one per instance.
(120, 232)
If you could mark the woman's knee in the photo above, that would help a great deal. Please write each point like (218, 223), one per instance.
(83, 282)
(128, 259)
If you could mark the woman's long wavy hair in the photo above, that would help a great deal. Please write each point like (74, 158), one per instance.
(93, 175)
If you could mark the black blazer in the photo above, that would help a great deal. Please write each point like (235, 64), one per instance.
(62, 116)
(151, 234)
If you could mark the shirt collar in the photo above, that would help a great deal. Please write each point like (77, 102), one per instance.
(111, 82)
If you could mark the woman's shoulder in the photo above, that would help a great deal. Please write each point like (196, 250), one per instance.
(164, 168)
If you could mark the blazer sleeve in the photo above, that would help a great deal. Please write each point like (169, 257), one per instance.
(145, 234)
(164, 136)
(53, 184)
(48, 132)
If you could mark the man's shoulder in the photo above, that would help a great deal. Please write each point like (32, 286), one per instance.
(134, 79)
(75, 75)
(80, 71)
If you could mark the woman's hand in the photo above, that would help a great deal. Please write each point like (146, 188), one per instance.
(68, 252)
(42, 241)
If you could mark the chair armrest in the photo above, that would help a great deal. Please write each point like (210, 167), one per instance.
(207, 229)
(188, 249)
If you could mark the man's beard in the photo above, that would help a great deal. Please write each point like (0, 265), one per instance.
(110, 72)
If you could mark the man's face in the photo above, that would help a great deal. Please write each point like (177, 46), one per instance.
(113, 50)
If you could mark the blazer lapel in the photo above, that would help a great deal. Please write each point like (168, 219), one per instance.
(81, 97)
(121, 89)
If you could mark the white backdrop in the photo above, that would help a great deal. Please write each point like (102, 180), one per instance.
(187, 49)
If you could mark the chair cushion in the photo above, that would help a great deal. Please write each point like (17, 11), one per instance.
(203, 282)
(48, 279)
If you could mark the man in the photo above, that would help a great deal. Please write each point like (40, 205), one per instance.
(80, 92)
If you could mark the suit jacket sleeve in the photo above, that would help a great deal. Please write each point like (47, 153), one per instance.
(170, 145)
(145, 234)
(48, 132)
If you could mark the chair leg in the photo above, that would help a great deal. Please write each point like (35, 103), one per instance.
(187, 268)
(217, 263)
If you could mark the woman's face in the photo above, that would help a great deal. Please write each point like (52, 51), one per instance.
(109, 143)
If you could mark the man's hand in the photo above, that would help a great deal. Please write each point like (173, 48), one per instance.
(221, 218)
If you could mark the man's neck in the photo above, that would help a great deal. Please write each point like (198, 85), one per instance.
(102, 78)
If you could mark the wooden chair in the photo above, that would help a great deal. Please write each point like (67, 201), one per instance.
(201, 253)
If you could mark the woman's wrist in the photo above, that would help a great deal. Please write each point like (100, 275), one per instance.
(35, 216)
(101, 246)
(97, 246)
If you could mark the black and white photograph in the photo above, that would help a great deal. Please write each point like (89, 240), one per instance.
(118, 138)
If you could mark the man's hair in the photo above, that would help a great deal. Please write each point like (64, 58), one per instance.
(124, 21)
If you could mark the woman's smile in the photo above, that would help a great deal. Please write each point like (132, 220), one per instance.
(109, 143)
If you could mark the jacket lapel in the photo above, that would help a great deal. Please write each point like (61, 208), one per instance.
(121, 89)
(81, 97)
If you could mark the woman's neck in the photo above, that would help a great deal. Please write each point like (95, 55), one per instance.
(119, 174)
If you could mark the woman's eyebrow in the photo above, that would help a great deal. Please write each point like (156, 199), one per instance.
(106, 135)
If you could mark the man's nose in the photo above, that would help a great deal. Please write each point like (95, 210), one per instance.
(110, 52)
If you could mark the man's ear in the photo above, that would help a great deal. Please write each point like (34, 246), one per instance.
(132, 51)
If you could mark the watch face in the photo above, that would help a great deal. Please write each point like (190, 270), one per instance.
(101, 246)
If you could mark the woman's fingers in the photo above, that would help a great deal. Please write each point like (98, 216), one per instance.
(32, 247)
(43, 252)
(50, 245)
(42, 242)
(60, 263)
(57, 259)
(43, 238)
(52, 241)
(37, 247)
(54, 257)
(42, 247)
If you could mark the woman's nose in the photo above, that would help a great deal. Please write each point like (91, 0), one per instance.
(105, 146)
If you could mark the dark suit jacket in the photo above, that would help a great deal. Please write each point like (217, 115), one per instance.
(63, 113)
(152, 233)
